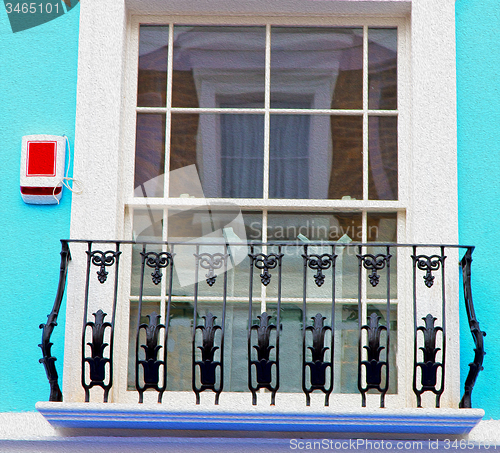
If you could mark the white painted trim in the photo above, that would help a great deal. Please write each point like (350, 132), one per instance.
(263, 421)
(30, 431)
(278, 8)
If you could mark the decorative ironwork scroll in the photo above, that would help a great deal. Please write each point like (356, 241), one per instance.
(151, 364)
(373, 365)
(211, 262)
(157, 261)
(103, 260)
(208, 366)
(428, 264)
(264, 365)
(154, 364)
(320, 263)
(429, 366)
(477, 334)
(314, 371)
(318, 366)
(264, 263)
(97, 362)
(48, 360)
(207, 370)
(374, 263)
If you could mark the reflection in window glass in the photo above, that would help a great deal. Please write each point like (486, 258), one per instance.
(322, 66)
(383, 158)
(217, 65)
(227, 150)
(346, 176)
(289, 156)
(316, 157)
(149, 155)
(382, 68)
(153, 63)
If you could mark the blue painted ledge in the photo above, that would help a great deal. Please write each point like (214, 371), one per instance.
(135, 419)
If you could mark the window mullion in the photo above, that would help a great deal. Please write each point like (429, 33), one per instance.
(365, 113)
(267, 103)
(168, 121)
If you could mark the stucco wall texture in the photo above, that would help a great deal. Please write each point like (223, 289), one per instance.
(478, 98)
(38, 71)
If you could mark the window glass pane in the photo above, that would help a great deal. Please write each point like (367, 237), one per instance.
(342, 227)
(316, 157)
(289, 153)
(147, 226)
(383, 158)
(149, 155)
(382, 68)
(346, 175)
(218, 65)
(320, 67)
(227, 150)
(209, 227)
(382, 227)
(153, 62)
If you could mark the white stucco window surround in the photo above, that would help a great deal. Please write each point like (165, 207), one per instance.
(426, 206)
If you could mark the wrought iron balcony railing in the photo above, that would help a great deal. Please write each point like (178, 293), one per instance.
(262, 284)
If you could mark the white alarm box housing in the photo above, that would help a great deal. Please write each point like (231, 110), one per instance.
(42, 168)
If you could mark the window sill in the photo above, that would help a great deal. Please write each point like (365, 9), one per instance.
(137, 420)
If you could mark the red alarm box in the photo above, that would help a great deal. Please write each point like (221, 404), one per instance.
(42, 168)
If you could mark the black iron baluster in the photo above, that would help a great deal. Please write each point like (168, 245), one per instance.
(48, 360)
(388, 324)
(318, 366)
(374, 364)
(208, 365)
(429, 367)
(151, 365)
(167, 320)
(223, 329)
(477, 365)
(97, 361)
(264, 364)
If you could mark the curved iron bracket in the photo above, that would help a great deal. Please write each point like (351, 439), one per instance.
(48, 360)
(477, 365)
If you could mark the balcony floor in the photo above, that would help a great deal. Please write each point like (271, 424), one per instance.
(259, 421)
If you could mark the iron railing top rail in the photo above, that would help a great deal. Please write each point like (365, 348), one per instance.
(263, 243)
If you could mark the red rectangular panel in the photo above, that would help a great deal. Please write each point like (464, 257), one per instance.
(41, 159)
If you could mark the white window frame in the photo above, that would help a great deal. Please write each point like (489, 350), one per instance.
(104, 119)
(265, 203)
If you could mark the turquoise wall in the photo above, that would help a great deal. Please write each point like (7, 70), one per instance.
(38, 70)
(478, 89)
(38, 95)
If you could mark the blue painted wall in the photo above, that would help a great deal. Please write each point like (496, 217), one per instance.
(38, 95)
(478, 89)
(38, 69)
